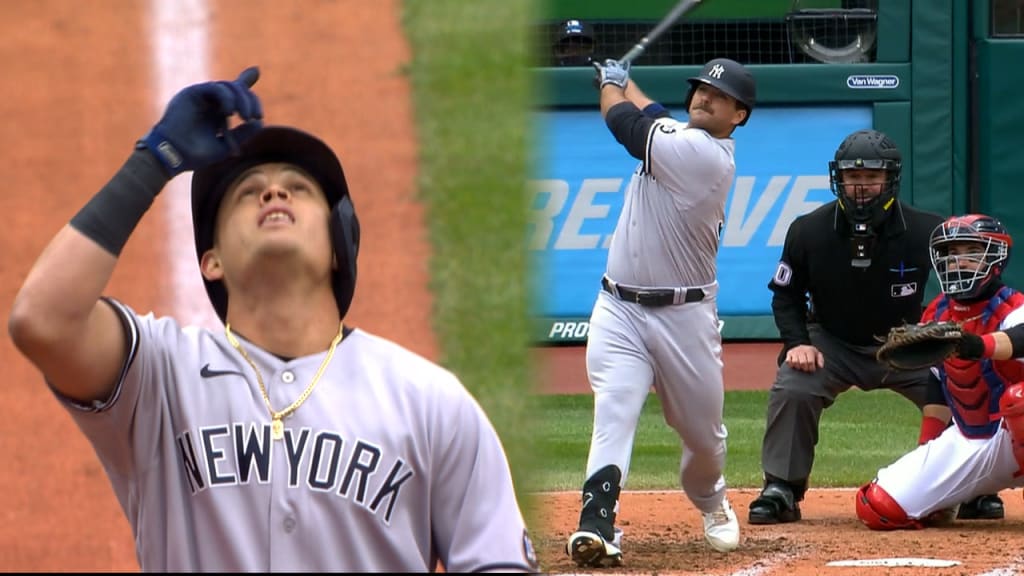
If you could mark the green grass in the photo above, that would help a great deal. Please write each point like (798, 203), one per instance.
(859, 434)
(471, 99)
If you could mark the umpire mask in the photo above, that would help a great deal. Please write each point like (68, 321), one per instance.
(865, 199)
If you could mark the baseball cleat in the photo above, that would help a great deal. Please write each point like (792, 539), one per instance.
(985, 507)
(721, 528)
(590, 549)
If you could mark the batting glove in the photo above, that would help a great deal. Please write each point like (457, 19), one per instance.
(611, 72)
(194, 133)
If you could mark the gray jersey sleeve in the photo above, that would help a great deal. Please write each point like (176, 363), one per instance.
(114, 426)
(477, 522)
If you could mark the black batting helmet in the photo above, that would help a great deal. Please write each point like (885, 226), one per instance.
(730, 77)
(967, 273)
(292, 146)
(574, 43)
(574, 29)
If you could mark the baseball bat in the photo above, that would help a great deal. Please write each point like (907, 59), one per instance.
(677, 12)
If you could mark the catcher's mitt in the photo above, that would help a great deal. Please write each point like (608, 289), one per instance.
(915, 346)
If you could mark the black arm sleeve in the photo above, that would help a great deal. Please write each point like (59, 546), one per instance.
(789, 294)
(111, 216)
(656, 110)
(1016, 335)
(630, 126)
(933, 394)
(791, 319)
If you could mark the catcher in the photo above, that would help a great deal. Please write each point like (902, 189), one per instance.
(976, 330)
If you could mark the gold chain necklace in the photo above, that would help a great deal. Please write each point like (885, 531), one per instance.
(277, 426)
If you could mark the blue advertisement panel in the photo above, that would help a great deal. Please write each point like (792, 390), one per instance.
(782, 159)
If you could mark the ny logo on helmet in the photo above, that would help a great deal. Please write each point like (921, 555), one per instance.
(716, 71)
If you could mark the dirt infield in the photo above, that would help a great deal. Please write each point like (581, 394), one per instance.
(664, 534)
(82, 82)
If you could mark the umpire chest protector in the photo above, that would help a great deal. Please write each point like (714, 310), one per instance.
(292, 146)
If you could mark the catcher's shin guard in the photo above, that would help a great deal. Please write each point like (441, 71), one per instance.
(601, 502)
(1011, 409)
(878, 511)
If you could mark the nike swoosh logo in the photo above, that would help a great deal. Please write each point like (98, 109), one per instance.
(587, 497)
(206, 372)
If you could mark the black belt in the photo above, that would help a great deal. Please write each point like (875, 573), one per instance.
(657, 297)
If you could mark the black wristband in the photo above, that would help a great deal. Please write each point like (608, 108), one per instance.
(970, 347)
(111, 216)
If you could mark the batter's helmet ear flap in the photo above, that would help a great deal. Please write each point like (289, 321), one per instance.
(746, 114)
(344, 228)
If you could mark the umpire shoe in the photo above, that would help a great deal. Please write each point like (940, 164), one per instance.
(588, 548)
(984, 507)
(721, 528)
(775, 505)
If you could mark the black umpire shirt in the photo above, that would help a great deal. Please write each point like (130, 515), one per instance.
(855, 304)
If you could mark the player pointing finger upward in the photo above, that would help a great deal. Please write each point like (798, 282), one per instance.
(288, 441)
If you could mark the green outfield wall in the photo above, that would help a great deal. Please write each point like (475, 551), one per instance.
(996, 143)
(951, 105)
(656, 9)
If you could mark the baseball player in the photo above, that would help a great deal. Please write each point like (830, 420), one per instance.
(862, 264)
(574, 44)
(288, 441)
(983, 384)
(655, 321)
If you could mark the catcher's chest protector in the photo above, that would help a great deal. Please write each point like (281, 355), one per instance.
(973, 387)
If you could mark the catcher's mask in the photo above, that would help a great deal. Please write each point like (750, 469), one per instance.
(969, 254)
(866, 150)
(730, 77)
(292, 146)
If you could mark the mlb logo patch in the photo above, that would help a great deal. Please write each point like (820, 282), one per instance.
(904, 290)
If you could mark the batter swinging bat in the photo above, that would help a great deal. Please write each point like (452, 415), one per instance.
(677, 12)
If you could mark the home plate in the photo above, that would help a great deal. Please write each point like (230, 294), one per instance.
(893, 562)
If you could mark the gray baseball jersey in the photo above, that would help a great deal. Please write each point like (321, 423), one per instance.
(666, 237)
(389, 466)
(668, 232)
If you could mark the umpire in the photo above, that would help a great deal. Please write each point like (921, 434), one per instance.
(850, 270)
